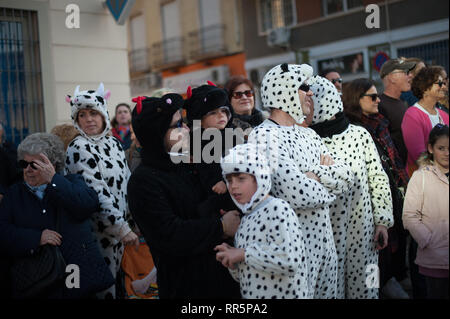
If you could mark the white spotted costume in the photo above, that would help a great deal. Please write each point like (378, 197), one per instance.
(370, 202)
(275, 263)
(293, 151)
(101, 161)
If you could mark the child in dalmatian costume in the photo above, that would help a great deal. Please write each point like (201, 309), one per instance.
(269, 241)
(293, 152)
(369, 207)
(101, 161)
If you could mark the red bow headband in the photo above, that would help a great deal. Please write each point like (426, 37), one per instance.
(138, 100)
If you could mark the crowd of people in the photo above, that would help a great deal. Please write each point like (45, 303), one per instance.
(209, 196)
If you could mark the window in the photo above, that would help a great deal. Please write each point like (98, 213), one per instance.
(335, 6)
(276, 14)
(21, 96)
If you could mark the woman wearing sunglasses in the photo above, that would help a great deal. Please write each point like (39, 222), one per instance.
(242, 97)
(30, 209)
(360, 98)
(429, 87)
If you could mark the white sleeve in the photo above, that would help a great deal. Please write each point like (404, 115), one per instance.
(288, 182)
(337, 178)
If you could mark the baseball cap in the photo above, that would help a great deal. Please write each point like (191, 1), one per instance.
(395, 64)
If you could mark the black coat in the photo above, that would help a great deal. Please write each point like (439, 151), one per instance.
(164, 201)
(9, 171)
(23, 217)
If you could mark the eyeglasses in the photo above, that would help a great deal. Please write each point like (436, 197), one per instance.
(440, 125)
(24, 164)
(440, 83)
(222, 109)
(304, 87)
(238, 94)
(373, 96)
(336, 80)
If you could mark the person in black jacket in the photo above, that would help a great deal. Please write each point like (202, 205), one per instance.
(9, 172)
(164, 196)
(29, 212)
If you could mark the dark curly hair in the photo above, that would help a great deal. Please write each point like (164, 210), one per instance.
(351, 94)
(424, 80)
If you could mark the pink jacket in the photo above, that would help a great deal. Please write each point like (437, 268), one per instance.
(425, 215)
(416, 127)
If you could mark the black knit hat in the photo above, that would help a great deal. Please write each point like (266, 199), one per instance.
(204, 99)
(151, 119)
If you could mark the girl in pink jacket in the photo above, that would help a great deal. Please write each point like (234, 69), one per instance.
(426, 212)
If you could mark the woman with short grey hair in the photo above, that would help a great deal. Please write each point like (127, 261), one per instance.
(48, 144)
(48, 208)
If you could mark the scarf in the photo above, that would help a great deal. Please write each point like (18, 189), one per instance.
(253, 119)
(332, 127)
(377, 125)
(37, 190)
(120, 132)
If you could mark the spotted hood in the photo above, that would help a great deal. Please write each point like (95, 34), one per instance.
(245, 158)
(327, 100)
(279, 88)
(90, 99)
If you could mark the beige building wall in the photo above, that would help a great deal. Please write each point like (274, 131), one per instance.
(96, 52)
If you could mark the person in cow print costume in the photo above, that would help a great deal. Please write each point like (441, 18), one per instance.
(361, 217)
(100, 159)
(304, 174)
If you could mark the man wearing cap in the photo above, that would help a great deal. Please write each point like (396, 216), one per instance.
(396, 79)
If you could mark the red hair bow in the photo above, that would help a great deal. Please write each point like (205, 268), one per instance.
(210, 83)
(138, 100)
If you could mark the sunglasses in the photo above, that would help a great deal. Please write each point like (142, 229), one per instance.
(373, 96)
(440, 83)
(336, 80)
(24, 164)
(238, 95)
(304, 87)
(222, 109)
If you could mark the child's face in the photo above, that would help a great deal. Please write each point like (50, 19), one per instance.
(217, 118)
(241, 186)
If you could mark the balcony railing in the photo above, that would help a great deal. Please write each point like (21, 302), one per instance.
(168, 53)
(146, 84)
(207, 42)
(139, 60)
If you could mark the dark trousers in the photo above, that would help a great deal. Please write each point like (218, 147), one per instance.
(417, 280)
(437, 288)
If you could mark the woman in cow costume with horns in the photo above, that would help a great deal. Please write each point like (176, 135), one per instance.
(100, 159)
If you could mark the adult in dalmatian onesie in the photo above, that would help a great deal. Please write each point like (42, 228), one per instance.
(360, 217)
(100, 159)
(303, 173)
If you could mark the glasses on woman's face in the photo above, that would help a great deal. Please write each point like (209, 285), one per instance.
(373, 96)
(24, 164)
(238, 94)
(223, 110)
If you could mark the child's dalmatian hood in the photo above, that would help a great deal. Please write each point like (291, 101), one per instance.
(327, 100)
(91, 99)
(245, 158)
(279, 88)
